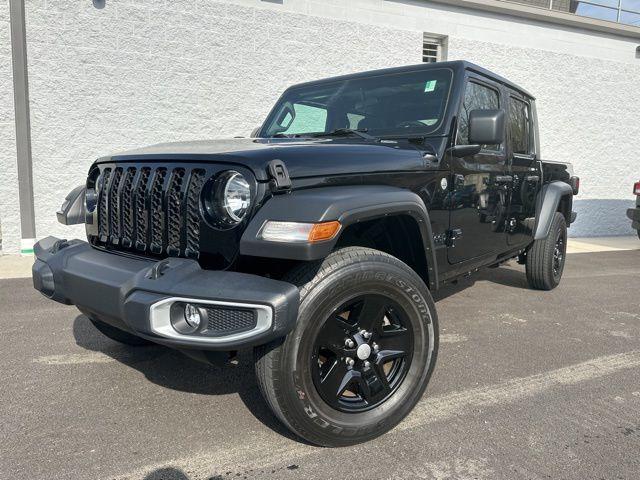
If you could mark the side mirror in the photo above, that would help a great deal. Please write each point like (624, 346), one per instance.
(486, 127)
(254, 132)
(72, 211)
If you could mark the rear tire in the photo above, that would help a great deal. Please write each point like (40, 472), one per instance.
(118, 335)
(546, 257)
(374, 301)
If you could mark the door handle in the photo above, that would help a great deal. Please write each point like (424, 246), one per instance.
(458, 181)
(503, 179)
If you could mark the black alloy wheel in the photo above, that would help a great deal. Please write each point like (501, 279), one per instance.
(546, 257)
(558, 254)
(362, 353)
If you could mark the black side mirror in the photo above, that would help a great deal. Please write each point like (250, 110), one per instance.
(486, 127)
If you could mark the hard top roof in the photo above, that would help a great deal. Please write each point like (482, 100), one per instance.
(457, 66)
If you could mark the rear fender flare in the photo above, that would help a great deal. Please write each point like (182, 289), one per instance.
(347, 204)
(547, 205)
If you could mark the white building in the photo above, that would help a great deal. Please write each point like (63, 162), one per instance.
(109, 75)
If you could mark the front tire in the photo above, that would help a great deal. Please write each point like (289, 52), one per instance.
(546, 257)
(362, 351)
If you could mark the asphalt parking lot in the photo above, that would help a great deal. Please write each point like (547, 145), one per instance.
(528, 385)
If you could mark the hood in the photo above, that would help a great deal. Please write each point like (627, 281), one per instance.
(303, 157)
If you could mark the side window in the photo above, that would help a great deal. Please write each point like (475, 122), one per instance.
(307, 119)
(476, 97)
(519, 126)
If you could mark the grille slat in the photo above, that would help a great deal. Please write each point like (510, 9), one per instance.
(192, 228)
(157, 211)
(128, 208)
(142, 224)
(174, 215)
(103, 221)
(114, 207)
(152, 210)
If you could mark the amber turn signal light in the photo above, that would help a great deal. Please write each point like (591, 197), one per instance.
(324, 231)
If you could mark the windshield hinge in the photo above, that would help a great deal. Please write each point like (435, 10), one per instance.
(279, 175)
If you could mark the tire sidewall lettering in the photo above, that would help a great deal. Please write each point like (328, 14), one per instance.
(335, 290)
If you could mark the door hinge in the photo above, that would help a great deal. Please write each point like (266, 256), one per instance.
(279, 175)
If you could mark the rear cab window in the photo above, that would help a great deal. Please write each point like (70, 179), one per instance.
(519, 126)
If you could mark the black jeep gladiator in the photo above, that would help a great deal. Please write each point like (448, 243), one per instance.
(319, 241)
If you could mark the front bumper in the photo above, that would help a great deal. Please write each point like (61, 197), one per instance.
(134, 294)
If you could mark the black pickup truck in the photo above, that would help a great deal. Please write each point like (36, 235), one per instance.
(319, 241)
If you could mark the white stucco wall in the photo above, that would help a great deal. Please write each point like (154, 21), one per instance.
(143, 71)
(9, 212)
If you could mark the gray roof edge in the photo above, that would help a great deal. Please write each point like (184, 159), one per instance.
(548, 16)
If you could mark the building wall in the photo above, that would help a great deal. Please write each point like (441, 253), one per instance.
(141, 72)
(125, 73)
(9, 212)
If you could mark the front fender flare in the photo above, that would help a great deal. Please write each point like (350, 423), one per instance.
(347, 204)
(548, 203)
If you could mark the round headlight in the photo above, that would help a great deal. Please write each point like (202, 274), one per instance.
(235, 196)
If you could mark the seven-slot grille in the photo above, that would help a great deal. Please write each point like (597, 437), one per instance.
(153, 210)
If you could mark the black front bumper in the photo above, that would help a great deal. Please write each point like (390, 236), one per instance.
(125, 291)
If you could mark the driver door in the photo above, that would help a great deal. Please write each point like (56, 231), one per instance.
(479, 194)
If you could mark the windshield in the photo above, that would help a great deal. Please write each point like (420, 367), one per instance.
(391, 105)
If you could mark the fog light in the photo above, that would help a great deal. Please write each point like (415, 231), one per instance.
(192, 315)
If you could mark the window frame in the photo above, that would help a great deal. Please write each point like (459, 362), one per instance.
(531, 150)
(437, 129)
(492, 86)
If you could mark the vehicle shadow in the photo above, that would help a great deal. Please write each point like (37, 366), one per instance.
(171, 473)
(171, 369)
(167, 473)
(512, 275)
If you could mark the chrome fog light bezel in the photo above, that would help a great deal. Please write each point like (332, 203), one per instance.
(164, 315)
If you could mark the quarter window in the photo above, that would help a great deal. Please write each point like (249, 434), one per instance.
(519, 126)
(476, 97)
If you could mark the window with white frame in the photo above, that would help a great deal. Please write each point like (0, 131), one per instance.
(434, 48)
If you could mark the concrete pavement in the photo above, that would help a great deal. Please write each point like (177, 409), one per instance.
(528, 385)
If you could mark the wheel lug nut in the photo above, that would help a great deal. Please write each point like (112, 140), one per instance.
(366, 364)
(349, 361)
(375, 348)
(349, 343)
(365, 334)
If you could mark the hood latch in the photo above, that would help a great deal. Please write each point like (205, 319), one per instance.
(279, 175)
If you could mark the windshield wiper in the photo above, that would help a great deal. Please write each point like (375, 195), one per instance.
(339, 132)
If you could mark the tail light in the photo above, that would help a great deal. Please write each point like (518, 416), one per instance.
(575, 185)
(636, 188)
